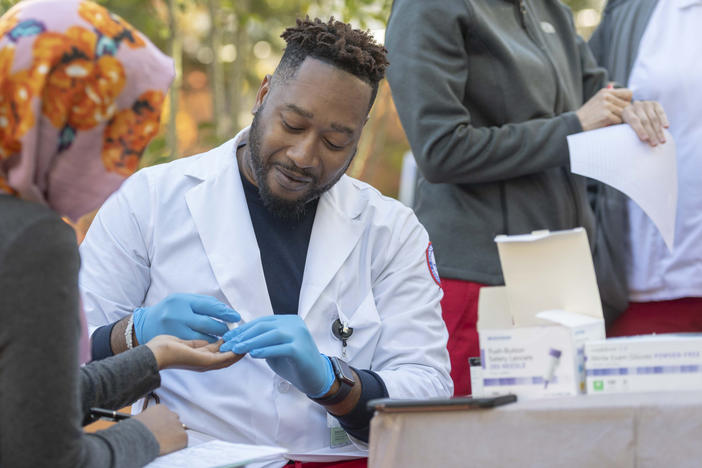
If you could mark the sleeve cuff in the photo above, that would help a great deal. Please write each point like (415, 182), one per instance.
(132, 444)
(572, 122)
(357, 422)
(100, 342)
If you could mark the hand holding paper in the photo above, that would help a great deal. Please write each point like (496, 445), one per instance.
(604, 108)
(648, 120)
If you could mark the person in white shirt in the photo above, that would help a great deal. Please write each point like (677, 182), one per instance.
(335, 284)
(651, 46)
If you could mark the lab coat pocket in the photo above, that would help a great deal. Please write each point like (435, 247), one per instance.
(364, 326)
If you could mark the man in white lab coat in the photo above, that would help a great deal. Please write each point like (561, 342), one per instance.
(335, 284)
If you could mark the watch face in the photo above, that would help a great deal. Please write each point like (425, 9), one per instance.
(343, 371)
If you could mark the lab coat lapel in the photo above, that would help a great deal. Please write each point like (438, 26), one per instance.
(218, 207)
(336, 231)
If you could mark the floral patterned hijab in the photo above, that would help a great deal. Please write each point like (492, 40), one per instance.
(81, 93)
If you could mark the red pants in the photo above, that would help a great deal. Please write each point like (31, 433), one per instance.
(358, 463)
(460, 311)
(679, 315)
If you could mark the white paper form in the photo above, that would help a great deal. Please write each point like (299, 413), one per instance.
(326, 455)
(648, 175)
(217, 453)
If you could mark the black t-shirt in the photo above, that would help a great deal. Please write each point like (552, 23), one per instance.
(283, 245)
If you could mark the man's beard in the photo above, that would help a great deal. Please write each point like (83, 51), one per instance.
(292, 210)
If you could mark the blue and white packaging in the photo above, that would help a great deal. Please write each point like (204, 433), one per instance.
(533, 330)
(645, 363)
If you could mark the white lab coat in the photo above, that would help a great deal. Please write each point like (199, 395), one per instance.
(185, 227)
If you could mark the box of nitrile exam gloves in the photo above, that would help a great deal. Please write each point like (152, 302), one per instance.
(533, 330)
(646, 363)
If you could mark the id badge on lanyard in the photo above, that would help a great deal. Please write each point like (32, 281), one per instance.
(337, 435)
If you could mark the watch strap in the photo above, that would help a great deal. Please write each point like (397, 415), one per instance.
(343, 375)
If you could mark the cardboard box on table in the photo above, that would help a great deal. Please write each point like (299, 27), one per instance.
(533, 330)
(645, 363)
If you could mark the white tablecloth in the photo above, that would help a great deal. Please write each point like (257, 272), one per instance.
(617, 430)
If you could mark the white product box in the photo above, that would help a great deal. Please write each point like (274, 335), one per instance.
(533, 330)
(646, 363)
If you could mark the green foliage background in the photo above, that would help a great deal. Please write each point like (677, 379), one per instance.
(196, 32)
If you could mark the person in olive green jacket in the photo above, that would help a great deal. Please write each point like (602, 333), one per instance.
(487, 92)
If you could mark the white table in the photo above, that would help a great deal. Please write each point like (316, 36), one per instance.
(618, 430)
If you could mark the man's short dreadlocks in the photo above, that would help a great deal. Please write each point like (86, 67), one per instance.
(336, 43)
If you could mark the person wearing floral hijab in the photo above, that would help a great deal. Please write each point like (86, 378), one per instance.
(81, 93)
(63, 96)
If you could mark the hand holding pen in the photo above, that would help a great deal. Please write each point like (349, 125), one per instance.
(163, 423)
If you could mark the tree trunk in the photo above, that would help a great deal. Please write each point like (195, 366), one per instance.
(176, 50)
(238, 75)
(220, 116)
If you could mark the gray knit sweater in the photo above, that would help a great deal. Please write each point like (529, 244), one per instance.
(44, 394)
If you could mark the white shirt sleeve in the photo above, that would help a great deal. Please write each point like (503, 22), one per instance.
(115, 274)
(411, 356)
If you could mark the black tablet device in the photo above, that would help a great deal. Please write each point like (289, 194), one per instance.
(440, 404)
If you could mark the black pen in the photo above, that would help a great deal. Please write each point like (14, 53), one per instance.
(108, 414)
(112, 415)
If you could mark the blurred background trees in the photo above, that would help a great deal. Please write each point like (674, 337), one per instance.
(223, 48)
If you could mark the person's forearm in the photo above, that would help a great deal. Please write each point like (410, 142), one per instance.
(118, 342)
(349, 403)
(119, 380)
(353, 413)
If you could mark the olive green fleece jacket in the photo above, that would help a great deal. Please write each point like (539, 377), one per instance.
(486, 91)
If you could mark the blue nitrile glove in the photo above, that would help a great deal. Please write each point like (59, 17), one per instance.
(187, 316)
(287, 346)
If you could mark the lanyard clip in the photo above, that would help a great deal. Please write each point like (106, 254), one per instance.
(342, 332)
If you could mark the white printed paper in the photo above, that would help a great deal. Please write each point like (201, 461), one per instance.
(216, 453)
(648, 175)
(326, 455)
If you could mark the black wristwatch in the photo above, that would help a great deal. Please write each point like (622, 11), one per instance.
(343, 375)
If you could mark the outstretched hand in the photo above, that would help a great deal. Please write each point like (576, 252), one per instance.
(198, 355)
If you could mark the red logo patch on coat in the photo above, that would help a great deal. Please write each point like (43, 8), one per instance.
(431, 263)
